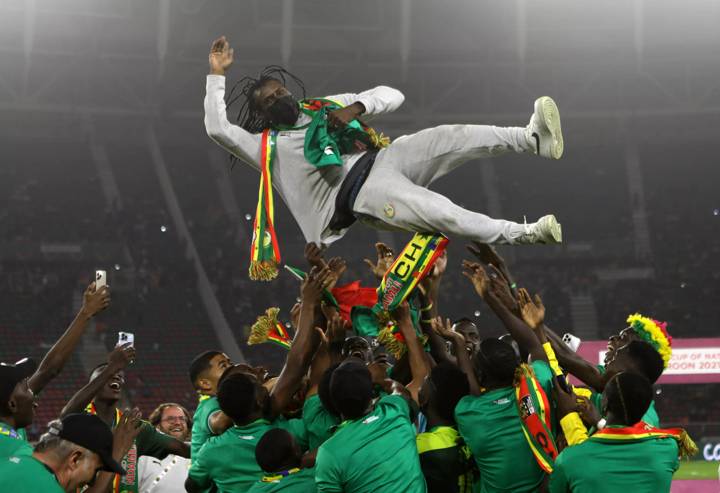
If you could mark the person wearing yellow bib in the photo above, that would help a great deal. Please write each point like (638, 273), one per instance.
(331, 169)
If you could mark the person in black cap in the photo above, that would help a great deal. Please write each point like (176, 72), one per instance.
(68, 457)
(20, 383)
(17, 407)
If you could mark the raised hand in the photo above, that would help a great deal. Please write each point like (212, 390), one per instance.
(314, 284)
(340, 118)
(477, 276)
(95, 300)
(337, 268)
(125, 432)
(385, 258)
(314, 255)
(121, 357)
(500, 290)
(532, 311)
(444, 330)
(221, 56)
(335, 331)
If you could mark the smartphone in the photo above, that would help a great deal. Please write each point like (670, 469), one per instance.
(572, 341)
(125, 338)
(100, 279)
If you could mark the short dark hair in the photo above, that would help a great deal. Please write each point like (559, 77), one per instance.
(450, 385)
(463, 320)
(628, 396)
(351, 389)
(237, 396)
(201, 363)
(497, 360)
(156, 416)
(646, 360)
(275, 450)
(324, 390)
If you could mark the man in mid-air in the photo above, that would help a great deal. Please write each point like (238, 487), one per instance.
(330, 168)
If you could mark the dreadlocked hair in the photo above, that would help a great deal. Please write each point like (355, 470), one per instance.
(249, 116)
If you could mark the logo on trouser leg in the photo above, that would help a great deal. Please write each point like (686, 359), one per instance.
(389, 210)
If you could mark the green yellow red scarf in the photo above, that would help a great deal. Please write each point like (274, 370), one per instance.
(268, 328)
(642, 431)
(412, 264)
(323, 147)
(534, 411)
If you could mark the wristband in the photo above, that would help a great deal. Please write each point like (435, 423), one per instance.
(513, 285)
(427, 308)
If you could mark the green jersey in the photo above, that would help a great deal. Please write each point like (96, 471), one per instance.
(228, 460)
(201, 422)
(490, 425)
(302, 481)
(376, 453)
(13, 442)
(26, 474)
(318, 421)
(644, 466)
(445, 460)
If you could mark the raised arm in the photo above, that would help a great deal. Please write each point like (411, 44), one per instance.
(119, 358)
(458, 342)
(94, 301)
(416, 354)
(234, 139)
(305, 342)
(375, 101)
(575, 364)
(493, 290)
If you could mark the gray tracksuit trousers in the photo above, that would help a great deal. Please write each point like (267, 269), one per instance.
(395, 195)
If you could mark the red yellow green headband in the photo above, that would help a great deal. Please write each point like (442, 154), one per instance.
(653, 332)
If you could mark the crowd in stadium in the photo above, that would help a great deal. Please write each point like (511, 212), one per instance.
(410, 402)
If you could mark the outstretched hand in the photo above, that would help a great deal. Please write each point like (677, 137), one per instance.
(444, 329)
(337, 268)
(335, 331)
(385, 258)
(532, 311)
(314, 284)
(478, 277)
(127, 429)
(95, 300)
(221, 56)
(500, 290)
(314, 255)
(121, 356)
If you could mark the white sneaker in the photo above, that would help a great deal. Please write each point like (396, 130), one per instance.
(545, 230)
(543, 132)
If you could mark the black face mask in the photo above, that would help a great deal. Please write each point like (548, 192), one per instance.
(284, 111)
